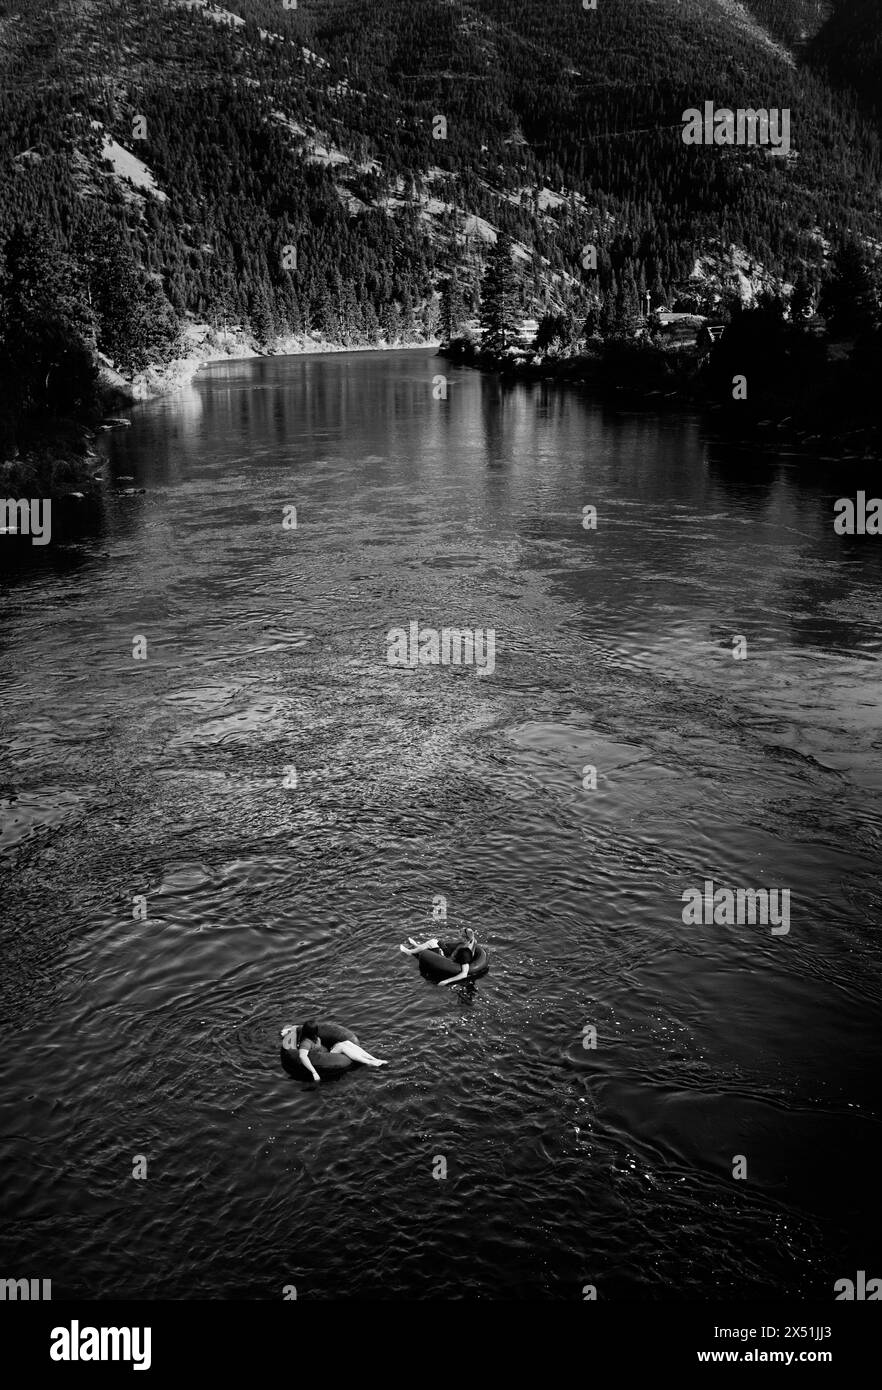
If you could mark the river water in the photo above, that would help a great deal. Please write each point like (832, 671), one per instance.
(566, 1164)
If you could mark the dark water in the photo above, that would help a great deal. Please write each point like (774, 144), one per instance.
(266, 649)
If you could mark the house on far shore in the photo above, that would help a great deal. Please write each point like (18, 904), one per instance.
(676, 329)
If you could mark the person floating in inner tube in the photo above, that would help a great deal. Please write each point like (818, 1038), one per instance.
(303, 1039)
(463, 955)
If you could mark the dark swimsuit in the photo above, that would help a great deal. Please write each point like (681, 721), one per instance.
(463, 955)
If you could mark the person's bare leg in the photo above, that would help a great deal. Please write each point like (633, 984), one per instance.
(357, 1054)
(430, 945)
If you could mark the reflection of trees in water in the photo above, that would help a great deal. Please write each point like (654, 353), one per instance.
(745, 474)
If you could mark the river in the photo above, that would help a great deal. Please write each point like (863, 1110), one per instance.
(152, 1046)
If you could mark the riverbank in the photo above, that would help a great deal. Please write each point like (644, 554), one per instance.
(58, 464)
(791, 393)
(206, 345)
(58, 460)
(640, 368)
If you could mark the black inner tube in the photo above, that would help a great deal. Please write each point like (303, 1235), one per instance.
(323, 1059)
(440, 963)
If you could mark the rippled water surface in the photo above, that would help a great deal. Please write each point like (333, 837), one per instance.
(266, 651)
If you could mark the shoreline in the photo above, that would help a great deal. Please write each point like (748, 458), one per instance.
(118, 392)
(657, 382)
(63, 466)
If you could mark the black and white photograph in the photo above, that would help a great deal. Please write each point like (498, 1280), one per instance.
(440, 672)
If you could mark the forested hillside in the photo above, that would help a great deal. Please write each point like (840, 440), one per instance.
(794, 22)
(848, 49)
(324, 169)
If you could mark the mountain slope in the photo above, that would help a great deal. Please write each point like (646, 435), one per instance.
(793, 22)
(239, 137)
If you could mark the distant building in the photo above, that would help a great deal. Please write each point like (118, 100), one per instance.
(678, 328)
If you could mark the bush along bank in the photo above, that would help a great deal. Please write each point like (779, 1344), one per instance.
(635, 367)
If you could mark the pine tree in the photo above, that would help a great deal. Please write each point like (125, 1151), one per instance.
(349, 315)
(390, 321)
(260, 316)
(626, 311)
(849, 301)
(324, 318)
(498, 298)
(371, 323)
(408, 327)
(591, 325)
(430, 316)
(802, 301)
(452, 309)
